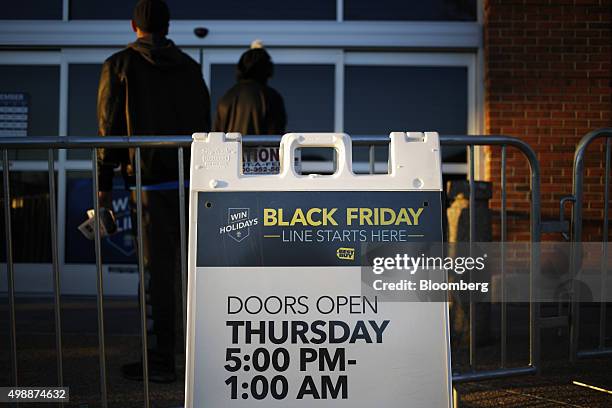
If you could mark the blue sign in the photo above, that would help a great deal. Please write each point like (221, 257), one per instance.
(119, 248)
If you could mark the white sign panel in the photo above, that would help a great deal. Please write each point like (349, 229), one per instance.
(277, 311)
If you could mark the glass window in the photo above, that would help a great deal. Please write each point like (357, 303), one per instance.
(308, 91)
(383, 99)
(213, 10)
(82, 101)
(415, 10)
(31, 230)
(32, 10)
(41, 85)
(104, 10)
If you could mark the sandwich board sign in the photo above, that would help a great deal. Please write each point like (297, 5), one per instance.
(276, 312)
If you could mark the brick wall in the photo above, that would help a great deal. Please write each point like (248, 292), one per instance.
(548, 81)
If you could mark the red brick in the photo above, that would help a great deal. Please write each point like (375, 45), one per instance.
(548, 82)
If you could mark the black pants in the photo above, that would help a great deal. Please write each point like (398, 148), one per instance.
(162, 264)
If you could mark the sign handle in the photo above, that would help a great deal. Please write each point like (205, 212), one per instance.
(340, 142)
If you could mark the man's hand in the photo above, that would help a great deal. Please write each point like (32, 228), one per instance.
(105, 199)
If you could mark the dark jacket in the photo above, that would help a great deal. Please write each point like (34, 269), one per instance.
(151, 88)
(251, 107)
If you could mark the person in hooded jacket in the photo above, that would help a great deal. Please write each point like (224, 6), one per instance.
(251, 107)
(152, 88)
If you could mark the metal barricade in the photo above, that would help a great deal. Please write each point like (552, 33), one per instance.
(181, 142)
(93, 143)
(577, 229)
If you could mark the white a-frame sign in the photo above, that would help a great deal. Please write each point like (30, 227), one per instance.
(279, 309)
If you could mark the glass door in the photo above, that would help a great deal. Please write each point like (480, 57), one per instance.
(306, 79)
(33, 78)
(385, 92)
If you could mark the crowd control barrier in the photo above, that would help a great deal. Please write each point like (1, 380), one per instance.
(577, 199)
(180, 143)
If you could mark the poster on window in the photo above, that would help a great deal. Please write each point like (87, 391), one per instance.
(14, 114)
(118, 248)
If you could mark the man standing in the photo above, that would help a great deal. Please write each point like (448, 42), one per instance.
(152, 88)
(251, 107)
